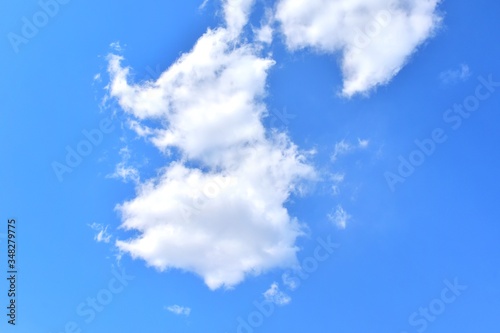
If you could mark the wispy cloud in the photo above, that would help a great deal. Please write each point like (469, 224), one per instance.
(264, 33)
(276, 296)
(179, 310)
(290, 282)
(116, 46)
(363, 143)
(343, 148)
(124, 170)
(339, 217)
(203, 4)
(102, 232)
(337, 179)
(453, 76)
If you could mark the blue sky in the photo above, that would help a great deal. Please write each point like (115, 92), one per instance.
(251, 166)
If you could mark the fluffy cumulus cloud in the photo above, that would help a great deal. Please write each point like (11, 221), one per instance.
(218, 211)
(374, 37)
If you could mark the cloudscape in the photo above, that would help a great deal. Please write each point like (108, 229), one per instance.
(250, 166)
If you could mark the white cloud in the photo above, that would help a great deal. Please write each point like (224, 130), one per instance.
(343, 148)
(208, 106)
(363, 143)
(290, 282)
(123, 170)
(374, 37)
(102, 232)
(116, 46)
(236, 14)
(228, 84)
(337, 179)
(204, 3)
(453, 76)
(276, 296)
(264, 33)
(339, 217)
(179, 310)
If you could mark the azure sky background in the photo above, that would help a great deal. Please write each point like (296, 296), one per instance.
(252, 166)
